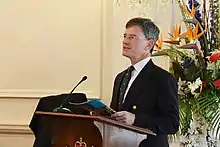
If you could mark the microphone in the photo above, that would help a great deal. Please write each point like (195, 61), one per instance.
(61, 108)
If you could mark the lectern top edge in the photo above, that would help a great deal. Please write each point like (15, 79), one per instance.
(125, 126)
(66, 114)
(102, 120)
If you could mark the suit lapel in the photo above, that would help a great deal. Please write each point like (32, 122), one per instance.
(117, 87)
(138, 84)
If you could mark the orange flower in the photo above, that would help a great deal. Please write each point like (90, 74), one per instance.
(176, 32)
(215, 56)
(193, 34)
(176, 35)
(159, 43)
(187, 11)
(217, 83)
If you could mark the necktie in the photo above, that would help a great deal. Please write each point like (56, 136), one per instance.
(124, 86)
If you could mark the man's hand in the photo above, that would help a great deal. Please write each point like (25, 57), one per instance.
(124, 117)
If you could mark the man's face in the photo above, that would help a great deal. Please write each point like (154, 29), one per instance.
(135, 44)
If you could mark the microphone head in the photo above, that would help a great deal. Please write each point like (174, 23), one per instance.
(84, 78)
(96, 103)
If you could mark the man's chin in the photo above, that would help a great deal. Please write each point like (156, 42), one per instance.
(125, 55)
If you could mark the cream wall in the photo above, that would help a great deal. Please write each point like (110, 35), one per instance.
(48, 45)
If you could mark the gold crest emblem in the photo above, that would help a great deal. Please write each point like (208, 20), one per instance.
(80, 143)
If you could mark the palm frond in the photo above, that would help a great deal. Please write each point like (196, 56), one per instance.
(209, 104)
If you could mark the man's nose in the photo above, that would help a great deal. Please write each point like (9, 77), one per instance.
(126, 41)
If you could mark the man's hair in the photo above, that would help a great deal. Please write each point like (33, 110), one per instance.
(149, 28)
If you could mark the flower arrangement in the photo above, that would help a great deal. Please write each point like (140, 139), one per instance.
(195, 59)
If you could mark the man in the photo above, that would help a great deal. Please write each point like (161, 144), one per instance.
(150, 99)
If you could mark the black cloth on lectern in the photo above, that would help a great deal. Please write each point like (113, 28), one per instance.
(48, 104)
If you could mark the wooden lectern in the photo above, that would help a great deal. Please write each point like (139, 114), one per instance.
(74, 130)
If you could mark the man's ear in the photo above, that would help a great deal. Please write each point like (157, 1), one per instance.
(150, 44)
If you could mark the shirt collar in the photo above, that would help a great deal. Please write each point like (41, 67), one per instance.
(140, 65)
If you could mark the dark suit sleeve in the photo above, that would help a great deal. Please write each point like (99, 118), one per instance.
(114, 101)
(166, 120)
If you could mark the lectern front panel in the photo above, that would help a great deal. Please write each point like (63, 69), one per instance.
(77, 132)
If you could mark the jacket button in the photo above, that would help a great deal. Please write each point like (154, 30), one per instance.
(134, 107)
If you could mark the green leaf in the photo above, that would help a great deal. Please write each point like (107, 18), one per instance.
(193, 21)
(173, 53)
(185, 116)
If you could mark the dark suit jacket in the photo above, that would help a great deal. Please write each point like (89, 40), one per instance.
(154, 93)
